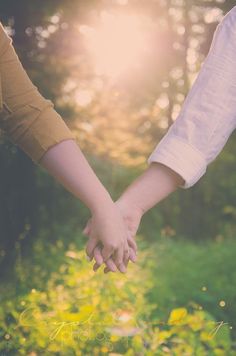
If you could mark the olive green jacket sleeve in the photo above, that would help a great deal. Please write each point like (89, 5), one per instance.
(29, 120)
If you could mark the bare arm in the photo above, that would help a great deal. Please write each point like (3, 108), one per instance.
(32, 123)
(67, 164)
(155, 184)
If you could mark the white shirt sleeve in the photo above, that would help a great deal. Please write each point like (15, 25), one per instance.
(208, 115)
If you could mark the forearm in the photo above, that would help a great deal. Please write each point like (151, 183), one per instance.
(207, 117)
(155, 184)
(67, 164)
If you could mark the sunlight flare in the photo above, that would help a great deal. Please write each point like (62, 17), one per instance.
(117, 44)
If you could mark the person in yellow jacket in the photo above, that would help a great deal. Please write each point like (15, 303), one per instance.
(32, 123)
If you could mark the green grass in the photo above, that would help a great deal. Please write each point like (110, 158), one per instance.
(56, 304)
(202, 273)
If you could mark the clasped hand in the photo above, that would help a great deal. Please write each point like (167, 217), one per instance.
(111, 236)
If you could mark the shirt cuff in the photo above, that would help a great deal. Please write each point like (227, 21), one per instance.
(181, 157)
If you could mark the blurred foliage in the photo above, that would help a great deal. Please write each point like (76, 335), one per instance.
(59, 306)
(201, 273)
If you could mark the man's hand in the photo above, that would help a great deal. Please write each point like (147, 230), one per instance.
(131, 217)
(155, 184)
(108, 238)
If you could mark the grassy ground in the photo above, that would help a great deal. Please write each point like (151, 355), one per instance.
(179, 299)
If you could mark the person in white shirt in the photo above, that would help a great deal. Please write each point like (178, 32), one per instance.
(195, 139)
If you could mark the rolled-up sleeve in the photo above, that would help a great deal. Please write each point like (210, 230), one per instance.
(29, 120)
(208, 116)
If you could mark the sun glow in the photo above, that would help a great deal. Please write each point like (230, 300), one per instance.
(117, 45)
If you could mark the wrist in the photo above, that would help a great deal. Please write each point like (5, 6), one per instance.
(101, 204)
(129, 207)
(155, 184)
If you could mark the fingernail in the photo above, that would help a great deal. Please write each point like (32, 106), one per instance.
(132, 257)
(113, 268)
(87, 258)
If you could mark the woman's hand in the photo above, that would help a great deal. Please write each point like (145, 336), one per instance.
(131, 216)
(108, 238)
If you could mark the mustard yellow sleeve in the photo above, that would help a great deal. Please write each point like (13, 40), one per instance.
(29, 120)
